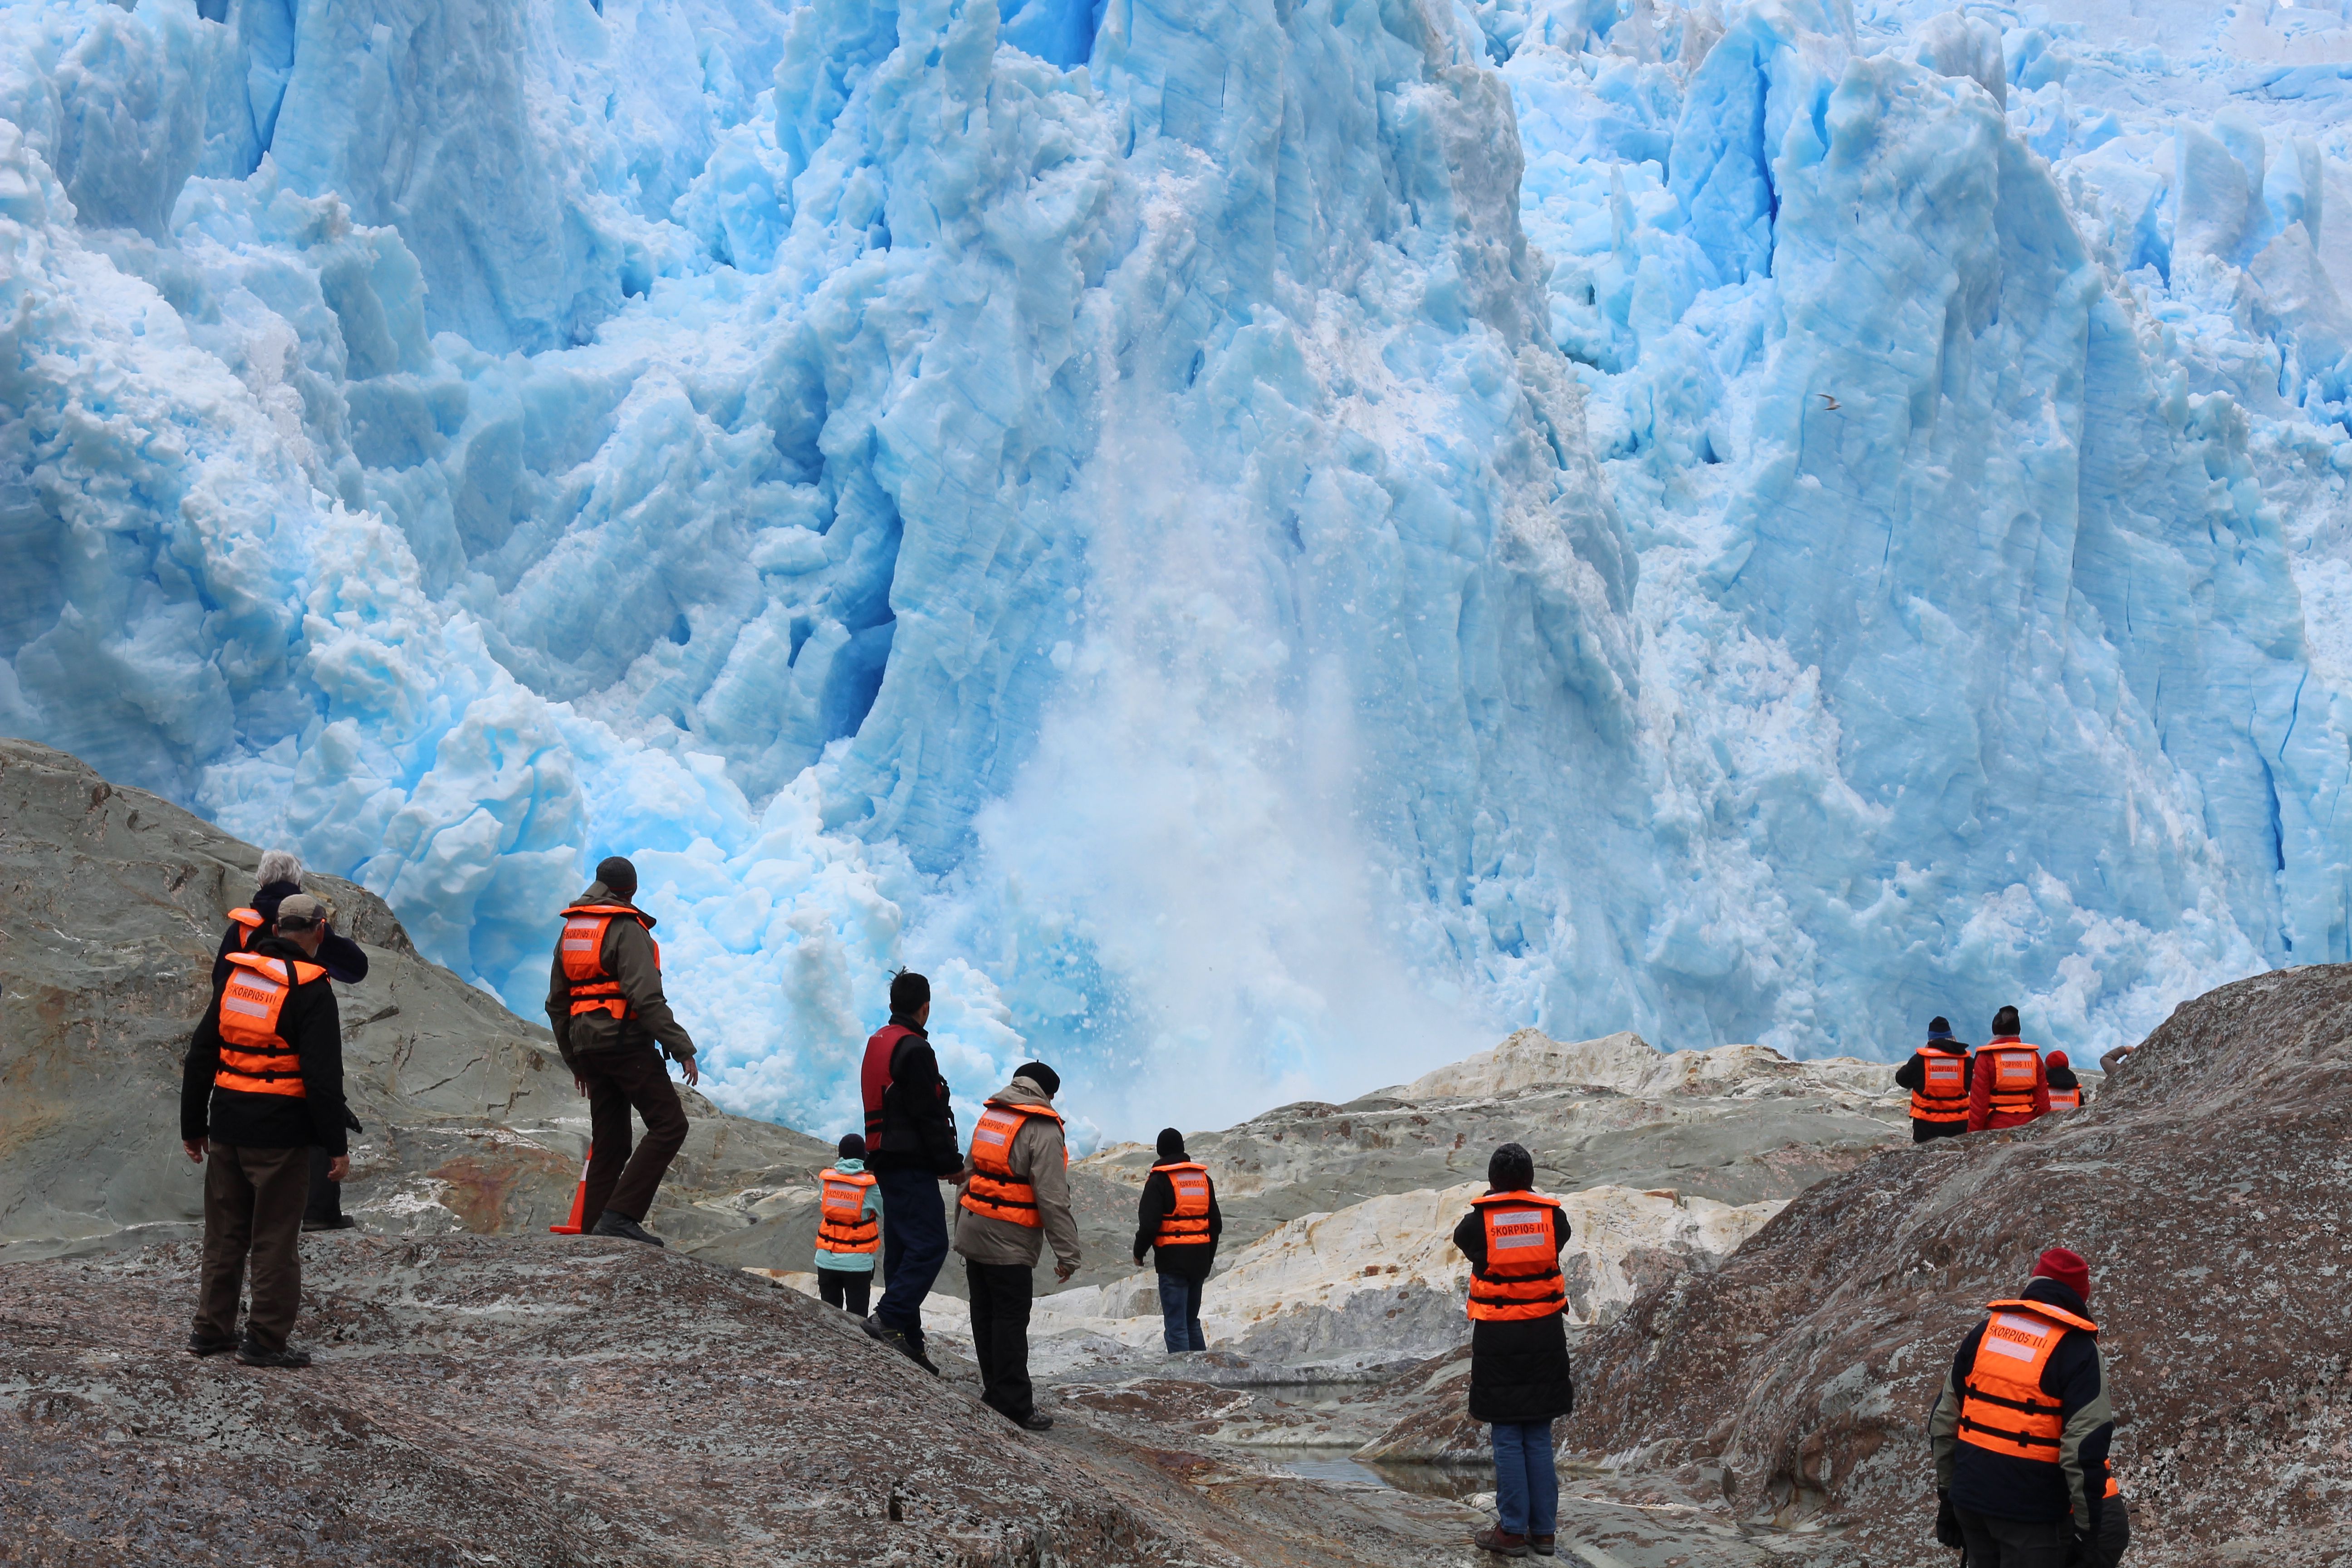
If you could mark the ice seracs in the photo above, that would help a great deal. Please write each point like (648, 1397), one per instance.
(1254, 546)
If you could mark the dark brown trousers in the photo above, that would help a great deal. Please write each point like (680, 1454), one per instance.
(253, 1209)
(617, 1179)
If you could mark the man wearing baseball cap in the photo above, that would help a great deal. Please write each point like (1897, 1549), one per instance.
(2020, 1430)
(263, 1082)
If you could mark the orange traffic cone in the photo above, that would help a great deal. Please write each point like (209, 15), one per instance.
(579, 1198)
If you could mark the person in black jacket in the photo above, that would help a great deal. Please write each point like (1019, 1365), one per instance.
(1519, 1376)
(911, 1147)
(1185, 1241)
(1939, 1109)
(2021, 1431)
(253, 1101)
(280, 875)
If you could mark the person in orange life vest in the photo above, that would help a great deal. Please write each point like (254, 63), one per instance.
(2021, 1428)
(910, 1148)
(1179, 1219)
(2065, 1089)
(262, 1083)
(2008, 1085)
(1519, 1377)
(280, 878)
(1938, 1076)
(1016, 1193)
(614, 1025)
(848, 1229)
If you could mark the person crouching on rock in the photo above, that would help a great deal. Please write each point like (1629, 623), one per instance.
(262, 1084)
(1177, 1218)
(604, 1003)
(2021, 1428)
(1938, 1076)
(280, 878)
(2065, 1089)
(2008, 1086)
(1016, 1189)
(1519, 1379)
(848, 1229)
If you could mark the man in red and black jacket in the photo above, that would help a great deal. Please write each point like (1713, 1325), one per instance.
(910, 1147)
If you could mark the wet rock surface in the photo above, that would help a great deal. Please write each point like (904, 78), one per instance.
(2208, 1188)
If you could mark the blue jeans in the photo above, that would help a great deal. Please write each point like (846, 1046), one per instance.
(914, 1244)
(1527, 1488)
(1179, 1311)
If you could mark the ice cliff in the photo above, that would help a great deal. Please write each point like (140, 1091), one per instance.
(1253, 539)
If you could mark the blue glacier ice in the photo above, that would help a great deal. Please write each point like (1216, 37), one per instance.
(1259, 542)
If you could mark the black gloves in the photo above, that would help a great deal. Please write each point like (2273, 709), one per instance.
(1948, 1524)
(352, 1121)
(2079, 1551)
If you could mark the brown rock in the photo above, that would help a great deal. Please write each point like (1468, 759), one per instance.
(2208, 1188)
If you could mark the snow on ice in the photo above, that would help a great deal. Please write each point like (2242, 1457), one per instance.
(1258, 542)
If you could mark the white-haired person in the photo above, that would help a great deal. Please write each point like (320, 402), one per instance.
(280, 878)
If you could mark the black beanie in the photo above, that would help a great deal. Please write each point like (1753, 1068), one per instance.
(853, 1147)
(909, 992)
(2005, 1021)
(617, 875)
(1939, 1028)
(1511, 1169)
(1171, 1144)
(1040, 1075)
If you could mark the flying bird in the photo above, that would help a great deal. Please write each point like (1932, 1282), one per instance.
(1828, 403)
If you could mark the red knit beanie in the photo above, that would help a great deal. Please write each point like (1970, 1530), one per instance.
(2057, 1058)
(2066, 1267)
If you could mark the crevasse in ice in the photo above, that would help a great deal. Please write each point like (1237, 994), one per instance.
(1257, 541)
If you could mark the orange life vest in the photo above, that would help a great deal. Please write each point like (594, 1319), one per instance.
(2002, 1407)
(843, 1224)
(2016, 1068)
(583, 947)
(1522, 1278)
(1946, 1098)
(244, 926)
(2067, 1099)
(255, 1058)
(1186, 1224)
(994, 1192)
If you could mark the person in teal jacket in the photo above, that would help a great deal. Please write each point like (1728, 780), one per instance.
(849, 1230)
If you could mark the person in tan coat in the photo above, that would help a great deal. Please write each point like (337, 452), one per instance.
(1016, 1195)
(614, 1025)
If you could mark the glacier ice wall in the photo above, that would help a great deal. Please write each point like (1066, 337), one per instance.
(1258, 542)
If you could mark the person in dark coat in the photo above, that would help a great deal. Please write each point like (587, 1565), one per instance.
(1183, 1246)
(2021, 1431)
(1938, 1076)
(2065, 1089)
(912, 1146)
(255, 1095)
(1519, 1376)
(346, 963)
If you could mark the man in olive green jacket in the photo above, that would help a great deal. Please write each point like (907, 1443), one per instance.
(1016, 1195)
(614, 1025)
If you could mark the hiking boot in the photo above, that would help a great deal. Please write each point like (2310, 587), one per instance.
(612, 1223)
(1545, 1545)
(341, 1222)
(1501, 1542)
(1033, 1422)
(898, 1340)
(251, 1354)
(204, 1344)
